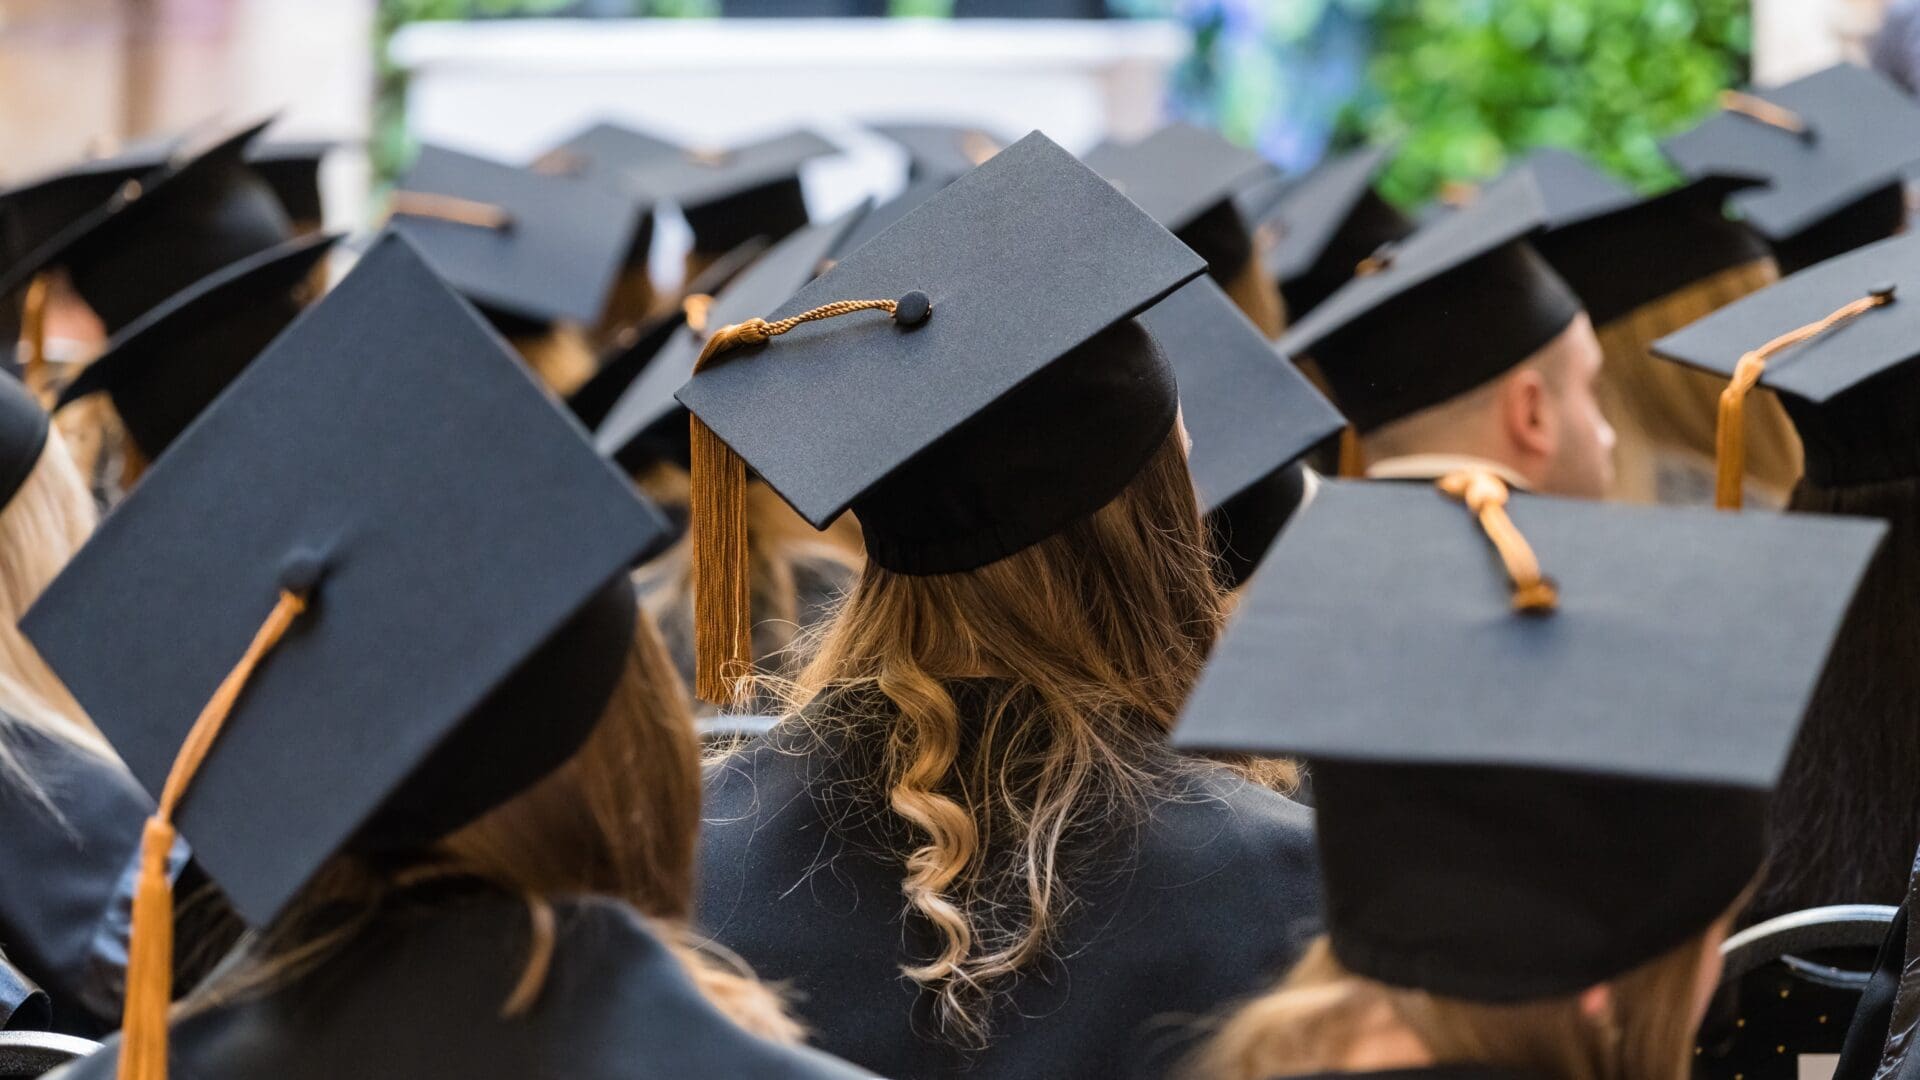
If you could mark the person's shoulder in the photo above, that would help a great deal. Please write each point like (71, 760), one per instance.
(755, 780)
(1214, 824)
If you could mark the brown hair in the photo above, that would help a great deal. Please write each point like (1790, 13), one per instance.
(1096, 635)
(1258, 297)
(561, 356)
(618, 819)
(1321, 1013)
(1665, 413)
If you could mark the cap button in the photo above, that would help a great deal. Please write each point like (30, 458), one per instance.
(302, 570)
(1884, 290)
(912, 309)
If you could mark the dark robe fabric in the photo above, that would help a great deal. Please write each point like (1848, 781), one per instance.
(418, 994)
(1430, 1072)
(1886, 1026)
(67, 869)
(23, 1006)
(1206, 899)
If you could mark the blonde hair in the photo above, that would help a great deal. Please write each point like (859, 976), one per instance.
(620, 819)
(1664, 413)
(560, 356)
(1321, 1013)
(1098, 634)
(45, 523)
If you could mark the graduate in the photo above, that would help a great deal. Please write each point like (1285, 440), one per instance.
(1186, 177)
(1644, 268)
(1460, 345)
(968, 845)
(1542, 734)
(540, 254)
(413, 722)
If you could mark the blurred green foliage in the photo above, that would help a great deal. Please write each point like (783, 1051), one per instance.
(1461, 84)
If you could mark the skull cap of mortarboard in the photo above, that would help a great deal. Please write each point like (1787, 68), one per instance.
(647, 423)
(292, 169)
(1249, 411)
(527, 248)
(1623, 255)
(1517, 805)
(466, 555)
(159, 234)
(1454, 306)
(1186, 177)
(1323, 224)
(23, 435)
(940, 152)
(1832, 147)
(1028, 399)
(731, 195)
(167, 366)
(1852, 390)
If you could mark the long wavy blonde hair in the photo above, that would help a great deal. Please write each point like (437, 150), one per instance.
(1322, 1013)
(48, 519)
(620, 819)
(1095, 635)
(1665, 413)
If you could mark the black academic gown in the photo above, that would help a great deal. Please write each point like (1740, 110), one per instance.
(1429, 1072)
(66, 877)
(1205, 902)
(418, 994)
(23, 1006)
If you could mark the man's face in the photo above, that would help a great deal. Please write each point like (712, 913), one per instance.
(1582, 462)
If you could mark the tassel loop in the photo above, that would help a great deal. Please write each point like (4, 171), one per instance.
(1486, 496)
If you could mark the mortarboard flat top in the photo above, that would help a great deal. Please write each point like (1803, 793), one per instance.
(1862, 133)
(697, 177)
(1178, 173)
(647, 421)
(1573, 188)
(941, 151)
(34, 211)
(457, 521)
(1850, 391)
(1247, 409)
(555, 259)
(1024, 260)
(1685, 645)
(165, 367)
(609, 153)
(1302, 225)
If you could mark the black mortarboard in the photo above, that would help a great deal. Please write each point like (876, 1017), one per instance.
(608, 153)
(292, 170)
(526, 247)
(1833, 147)
(167, 366)
(1617, 256)
(1516, 804)
(733, 195)
(941, 151)
(1318, 230)
(1571, 187)
(647, 423)
(23, 435)
(1852, 390)
(1452, 307)
(638, 345)
(1186, 178)
(1247, 409)
(37, 210)
(161, 233)
(464, 553)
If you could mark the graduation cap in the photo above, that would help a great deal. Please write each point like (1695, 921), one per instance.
(162, 232)
(647, 422)
(449, 558)
(168, 365)
(1249, 412)
(881, 218)
(1837, 343)
(1514, 800)
(608, 153)
(732, 195)
(941, 151)
(636, 346)
(1186, 178)
(35, 211)
(1317, 228)
(1452, 307)
(982, 387)
(528, 248)
(292, 169)
(1571, 187)
(1833, 147)
(23, 435)
(1618, 255)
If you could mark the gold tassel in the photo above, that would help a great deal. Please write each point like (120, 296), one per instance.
(143, 1020)
(1353, 460)
(722, 613)
(1486, 495)
(33, 337)
(1730, 435)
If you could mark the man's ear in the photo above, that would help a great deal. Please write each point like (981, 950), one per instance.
(1526, 413)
